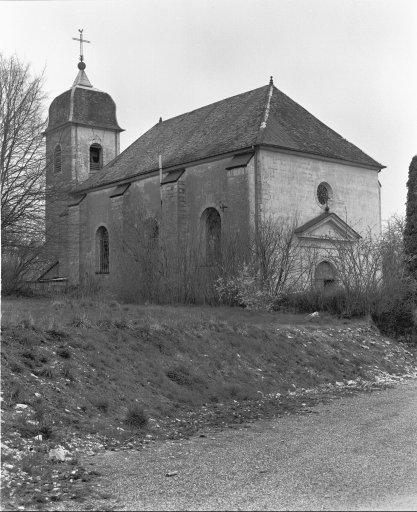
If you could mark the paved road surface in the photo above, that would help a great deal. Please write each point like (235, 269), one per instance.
(356, 453)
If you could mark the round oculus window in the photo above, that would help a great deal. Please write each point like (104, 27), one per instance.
(324, 193)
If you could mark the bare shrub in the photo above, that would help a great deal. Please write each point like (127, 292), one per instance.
(19, 262)
(164, 272)
(277, 255)
(252, 271)
(275, 264)
(359, 273)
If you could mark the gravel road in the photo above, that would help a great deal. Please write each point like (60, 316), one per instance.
(355, 453)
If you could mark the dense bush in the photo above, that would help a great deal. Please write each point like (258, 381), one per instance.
(396, 318)
(339, 303)
(243, 289)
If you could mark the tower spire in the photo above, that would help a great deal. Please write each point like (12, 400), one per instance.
(81, 78)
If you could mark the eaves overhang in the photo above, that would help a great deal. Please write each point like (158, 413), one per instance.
(319, 156)
(154, 171)
(87, 125)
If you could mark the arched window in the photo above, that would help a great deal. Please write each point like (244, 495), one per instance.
(102, 250)
(57, 159)
(96, 157)
(212, 232)
(325, 277)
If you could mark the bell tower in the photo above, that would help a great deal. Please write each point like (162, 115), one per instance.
(82, 136)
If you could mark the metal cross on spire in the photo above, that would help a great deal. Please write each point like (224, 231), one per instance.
(81, 40)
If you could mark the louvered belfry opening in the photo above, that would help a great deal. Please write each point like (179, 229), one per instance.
(102, 250)
(96, 157)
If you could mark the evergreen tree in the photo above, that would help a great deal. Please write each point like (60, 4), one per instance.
(410, 232)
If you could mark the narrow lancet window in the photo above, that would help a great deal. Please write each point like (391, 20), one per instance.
(212, 230)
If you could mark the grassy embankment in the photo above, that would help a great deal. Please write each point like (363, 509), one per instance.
(96, 374)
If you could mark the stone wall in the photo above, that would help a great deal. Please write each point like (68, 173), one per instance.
(288, 187)
(57, 197)
(82, 138)
(210, 185)
(183, 202)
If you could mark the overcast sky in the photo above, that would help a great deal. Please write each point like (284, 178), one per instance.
(351, 63)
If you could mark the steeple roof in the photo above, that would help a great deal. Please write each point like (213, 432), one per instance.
(83, 104)
(263, 116)
(81, 79)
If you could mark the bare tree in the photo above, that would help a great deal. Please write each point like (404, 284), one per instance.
(278, 253)
(394, 258)
(22, 159)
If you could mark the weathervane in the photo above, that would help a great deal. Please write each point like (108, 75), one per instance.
(81, 64)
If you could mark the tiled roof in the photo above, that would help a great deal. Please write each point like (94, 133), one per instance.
(261, 116)
(84, 105)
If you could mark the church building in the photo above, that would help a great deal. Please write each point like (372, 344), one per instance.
(209, 174)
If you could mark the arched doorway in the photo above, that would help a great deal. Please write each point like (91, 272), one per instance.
(212, 233)
(325, 277)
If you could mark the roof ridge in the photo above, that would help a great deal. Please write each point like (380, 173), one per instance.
(210, 104)
(263, 124)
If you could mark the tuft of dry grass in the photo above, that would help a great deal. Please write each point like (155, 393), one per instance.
(136, 417)
(101, 403)
(46, 371)
(63, 352)
(68, 372)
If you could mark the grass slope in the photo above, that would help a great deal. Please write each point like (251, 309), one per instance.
(75, 370)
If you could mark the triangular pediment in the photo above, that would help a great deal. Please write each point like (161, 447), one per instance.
(327, 226)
